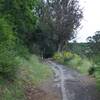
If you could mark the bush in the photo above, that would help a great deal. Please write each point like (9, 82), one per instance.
(8, 63)
(97, 73)
(67, 56)
(8, 54)
(58, 57)
(73, 60)
(63, 57)
(76, 60)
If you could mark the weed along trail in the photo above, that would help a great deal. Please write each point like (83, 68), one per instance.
(73, 85)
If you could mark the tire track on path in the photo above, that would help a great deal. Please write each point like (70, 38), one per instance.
(72, 84)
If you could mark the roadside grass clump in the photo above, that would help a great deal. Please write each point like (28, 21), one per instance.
(12, 91)
(74, 61)
(97, 71)
(62, 57)
(30, 72)
(18, 68)
(8, 61)
(58, 56)
(97, 75)
(81, 64)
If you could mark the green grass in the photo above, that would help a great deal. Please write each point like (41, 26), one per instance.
(13, 91)
(74, 61)
(97, 76)
(82, 65)
(31, 71)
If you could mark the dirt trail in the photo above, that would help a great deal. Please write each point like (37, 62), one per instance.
(74, 86)
(60, 78)
(67, 84)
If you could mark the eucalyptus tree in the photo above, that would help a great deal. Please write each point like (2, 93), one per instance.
(59, 19)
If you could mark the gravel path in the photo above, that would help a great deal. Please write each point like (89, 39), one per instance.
(73, 85)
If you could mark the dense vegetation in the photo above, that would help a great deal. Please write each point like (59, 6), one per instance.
(39, 27)
(85, 57)
(73, 60)
(18, 68)
(25, 28)
(94, 54)
(30, 73)
(57, 23)
(30, 27)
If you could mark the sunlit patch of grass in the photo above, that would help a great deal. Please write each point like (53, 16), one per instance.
(81, 64)
(84, 66)
(33, 71)
(74, 61)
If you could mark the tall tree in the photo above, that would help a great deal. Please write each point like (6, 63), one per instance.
(19, 13)
(94, 43)
(60, 19)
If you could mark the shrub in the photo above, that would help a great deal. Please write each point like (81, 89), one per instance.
(76, 60)
(58, 57)
(8, 63)
(67, 56)
(8, 53)
(63, 57)
(73, 60)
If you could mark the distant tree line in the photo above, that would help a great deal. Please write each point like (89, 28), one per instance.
(91, 48)
(94, 45)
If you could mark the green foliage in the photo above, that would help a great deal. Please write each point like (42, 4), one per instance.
(97, 72)
(17, 20)
(21, 14)
(74, 61)
(63, 56)
(6, 32)
(94, 54)
(81, 49)
(31, 72)
(8, 60)
(81, 64)
(94, 45)
(58, 57)
(54, 28)
(67, 56)
(17, 69)
(12, 92)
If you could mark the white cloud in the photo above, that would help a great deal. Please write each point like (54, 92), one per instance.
(91, 21)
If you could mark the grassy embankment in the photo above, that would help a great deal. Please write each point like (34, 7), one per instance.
(97, 71)
(83, 65)
(74, 61)
(30, 72)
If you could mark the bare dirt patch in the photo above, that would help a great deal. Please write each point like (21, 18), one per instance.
(45, 91)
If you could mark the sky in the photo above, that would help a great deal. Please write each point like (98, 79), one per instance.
(91, 21)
